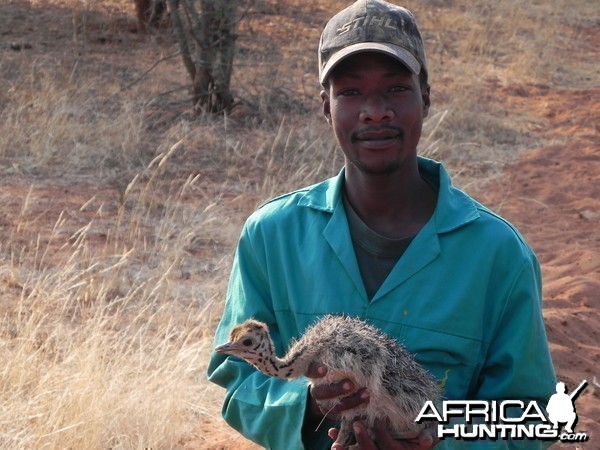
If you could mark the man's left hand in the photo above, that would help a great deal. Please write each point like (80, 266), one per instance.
(423, 441)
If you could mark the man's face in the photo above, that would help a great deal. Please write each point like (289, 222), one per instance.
(376, 107)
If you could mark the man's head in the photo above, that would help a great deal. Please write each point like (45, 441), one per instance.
(375, 93)
(372, 26)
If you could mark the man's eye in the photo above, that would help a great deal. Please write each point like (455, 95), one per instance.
(348, 92)
(399, 89)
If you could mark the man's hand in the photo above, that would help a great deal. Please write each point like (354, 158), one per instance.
(343, 391)
(423, 441)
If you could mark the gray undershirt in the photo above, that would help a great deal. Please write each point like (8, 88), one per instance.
(376, 254)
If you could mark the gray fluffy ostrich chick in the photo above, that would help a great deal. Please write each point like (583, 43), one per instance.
(351, 349)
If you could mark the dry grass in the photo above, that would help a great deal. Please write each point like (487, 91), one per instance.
(52, 120)
(99, 348)
(108, 307)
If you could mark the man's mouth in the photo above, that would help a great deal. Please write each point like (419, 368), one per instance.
(377, 136)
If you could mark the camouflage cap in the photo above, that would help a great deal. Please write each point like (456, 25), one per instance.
(371, 25)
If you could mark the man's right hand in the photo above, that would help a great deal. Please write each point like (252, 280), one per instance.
(344, 391)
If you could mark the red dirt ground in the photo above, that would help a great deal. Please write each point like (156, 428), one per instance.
(552, 194)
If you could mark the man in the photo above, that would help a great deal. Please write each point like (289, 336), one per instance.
(389, 240)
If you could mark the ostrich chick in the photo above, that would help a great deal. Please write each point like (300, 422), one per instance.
(351, 349)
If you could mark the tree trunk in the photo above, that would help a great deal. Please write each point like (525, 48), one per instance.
(206, 38)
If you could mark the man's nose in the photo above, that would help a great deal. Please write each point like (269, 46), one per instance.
(376, 109)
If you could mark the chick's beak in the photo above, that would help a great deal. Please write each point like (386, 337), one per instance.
(225, 349)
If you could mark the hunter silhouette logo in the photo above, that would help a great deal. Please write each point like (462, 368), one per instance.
(507, 419)
(561, 408)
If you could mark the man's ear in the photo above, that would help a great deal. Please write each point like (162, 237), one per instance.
(426, 96)
(326, 105)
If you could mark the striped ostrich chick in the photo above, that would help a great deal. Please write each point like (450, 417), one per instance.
(351, 349)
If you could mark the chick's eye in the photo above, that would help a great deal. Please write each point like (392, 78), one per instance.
(247, 342)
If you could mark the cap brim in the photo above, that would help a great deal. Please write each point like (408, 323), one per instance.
(401, 54)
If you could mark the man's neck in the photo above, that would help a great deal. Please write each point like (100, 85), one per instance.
(394, 205)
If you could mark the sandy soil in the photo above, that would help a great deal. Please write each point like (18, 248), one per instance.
(551, 193)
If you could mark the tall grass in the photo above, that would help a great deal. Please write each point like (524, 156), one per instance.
(51, 121)
(98, 348)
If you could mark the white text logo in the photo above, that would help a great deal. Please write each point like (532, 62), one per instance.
(507, 419)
